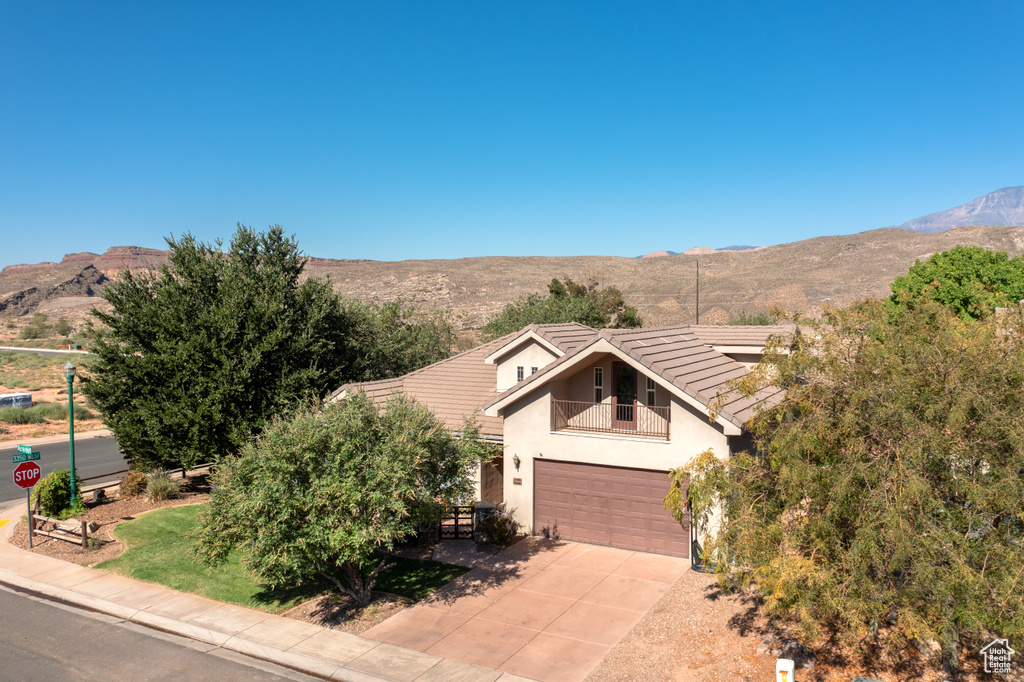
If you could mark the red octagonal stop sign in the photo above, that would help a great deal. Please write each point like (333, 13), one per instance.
(27, 474)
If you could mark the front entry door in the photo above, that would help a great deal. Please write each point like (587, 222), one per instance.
(624, 398)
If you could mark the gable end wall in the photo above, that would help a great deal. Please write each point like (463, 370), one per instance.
(528, 434)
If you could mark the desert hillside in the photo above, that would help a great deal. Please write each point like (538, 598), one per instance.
(802, 276)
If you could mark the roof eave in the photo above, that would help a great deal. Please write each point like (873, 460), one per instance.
(528, 334)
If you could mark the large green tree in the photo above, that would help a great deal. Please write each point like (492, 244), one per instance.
(567, 301)
(395, 339)
(970, 280)
(201, 354)
(319, 495)
(886, 497)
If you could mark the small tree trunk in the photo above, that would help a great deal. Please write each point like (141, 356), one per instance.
(361, 591)
(352, 582)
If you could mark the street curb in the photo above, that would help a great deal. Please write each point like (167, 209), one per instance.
(298, 662)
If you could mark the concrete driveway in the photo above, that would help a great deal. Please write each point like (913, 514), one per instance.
(543, 609)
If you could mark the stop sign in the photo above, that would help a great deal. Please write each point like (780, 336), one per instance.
(27, 474)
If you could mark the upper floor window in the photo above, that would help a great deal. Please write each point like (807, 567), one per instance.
(519, 373)
(598, 384)
(650, 391)
(533, 370)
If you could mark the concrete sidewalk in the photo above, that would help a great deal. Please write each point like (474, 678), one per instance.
(302, 646)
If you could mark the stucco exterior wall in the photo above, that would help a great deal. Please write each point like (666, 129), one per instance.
(528, 435)
(530, 354)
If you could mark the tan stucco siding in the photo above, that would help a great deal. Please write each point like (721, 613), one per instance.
(530, 354)
(528, 435)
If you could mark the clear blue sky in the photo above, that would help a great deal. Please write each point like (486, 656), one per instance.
(422, 129)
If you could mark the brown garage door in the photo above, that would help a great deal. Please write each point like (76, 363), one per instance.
(604, 505)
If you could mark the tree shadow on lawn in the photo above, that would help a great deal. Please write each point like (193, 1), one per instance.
(499, 572)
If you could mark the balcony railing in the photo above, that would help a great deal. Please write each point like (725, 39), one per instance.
(633, 420)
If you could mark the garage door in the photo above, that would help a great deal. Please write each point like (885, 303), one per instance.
(603, 505)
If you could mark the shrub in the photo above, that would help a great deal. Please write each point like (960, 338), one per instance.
(70, 512)
(62, 327)
(41, 412)
(53, 492)
(59, 411)
(501, 528)
(133, 484)
(17, 415)
(38, 328)
(52, 411)
(160, 486)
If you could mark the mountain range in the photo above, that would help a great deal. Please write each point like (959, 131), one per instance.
(801, 276)
(1002, 207)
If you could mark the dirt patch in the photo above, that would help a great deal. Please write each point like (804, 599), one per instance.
(339, 612)
(697, 632)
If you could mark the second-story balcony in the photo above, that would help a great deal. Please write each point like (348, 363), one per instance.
(630, 420)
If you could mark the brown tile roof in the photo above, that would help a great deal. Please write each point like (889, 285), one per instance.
(458, 387)
(740, 335)
(464, 384)
(454, 389)
(679, 357)
(568, 337)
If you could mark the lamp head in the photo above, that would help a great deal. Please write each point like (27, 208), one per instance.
(69, 371)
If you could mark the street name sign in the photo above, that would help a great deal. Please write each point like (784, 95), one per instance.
(27, 474)
(26, 457)
(25, 449)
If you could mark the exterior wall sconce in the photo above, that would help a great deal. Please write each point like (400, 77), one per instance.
(516, 461)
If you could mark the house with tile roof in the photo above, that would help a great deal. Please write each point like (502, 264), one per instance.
(591, 420)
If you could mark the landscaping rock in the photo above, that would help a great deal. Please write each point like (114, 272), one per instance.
(784, 646)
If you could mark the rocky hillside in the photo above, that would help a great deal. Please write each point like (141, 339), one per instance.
(1002, 207)
(802, 276)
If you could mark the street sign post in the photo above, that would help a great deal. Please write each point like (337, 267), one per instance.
(27, 475)
(25, 457)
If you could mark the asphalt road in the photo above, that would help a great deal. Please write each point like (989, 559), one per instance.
(43, 641)
(93, 456)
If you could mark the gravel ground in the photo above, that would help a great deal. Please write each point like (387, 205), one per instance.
(698, 633)
(693, 633)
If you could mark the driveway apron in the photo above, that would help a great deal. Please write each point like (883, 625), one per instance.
(542, 609)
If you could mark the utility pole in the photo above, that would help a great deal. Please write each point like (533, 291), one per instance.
(698, 291)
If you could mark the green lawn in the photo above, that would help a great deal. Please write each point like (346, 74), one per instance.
(158, 552)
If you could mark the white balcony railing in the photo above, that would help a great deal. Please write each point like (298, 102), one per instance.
(611, 417)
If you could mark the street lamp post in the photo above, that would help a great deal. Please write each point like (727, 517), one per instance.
(69, 372)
